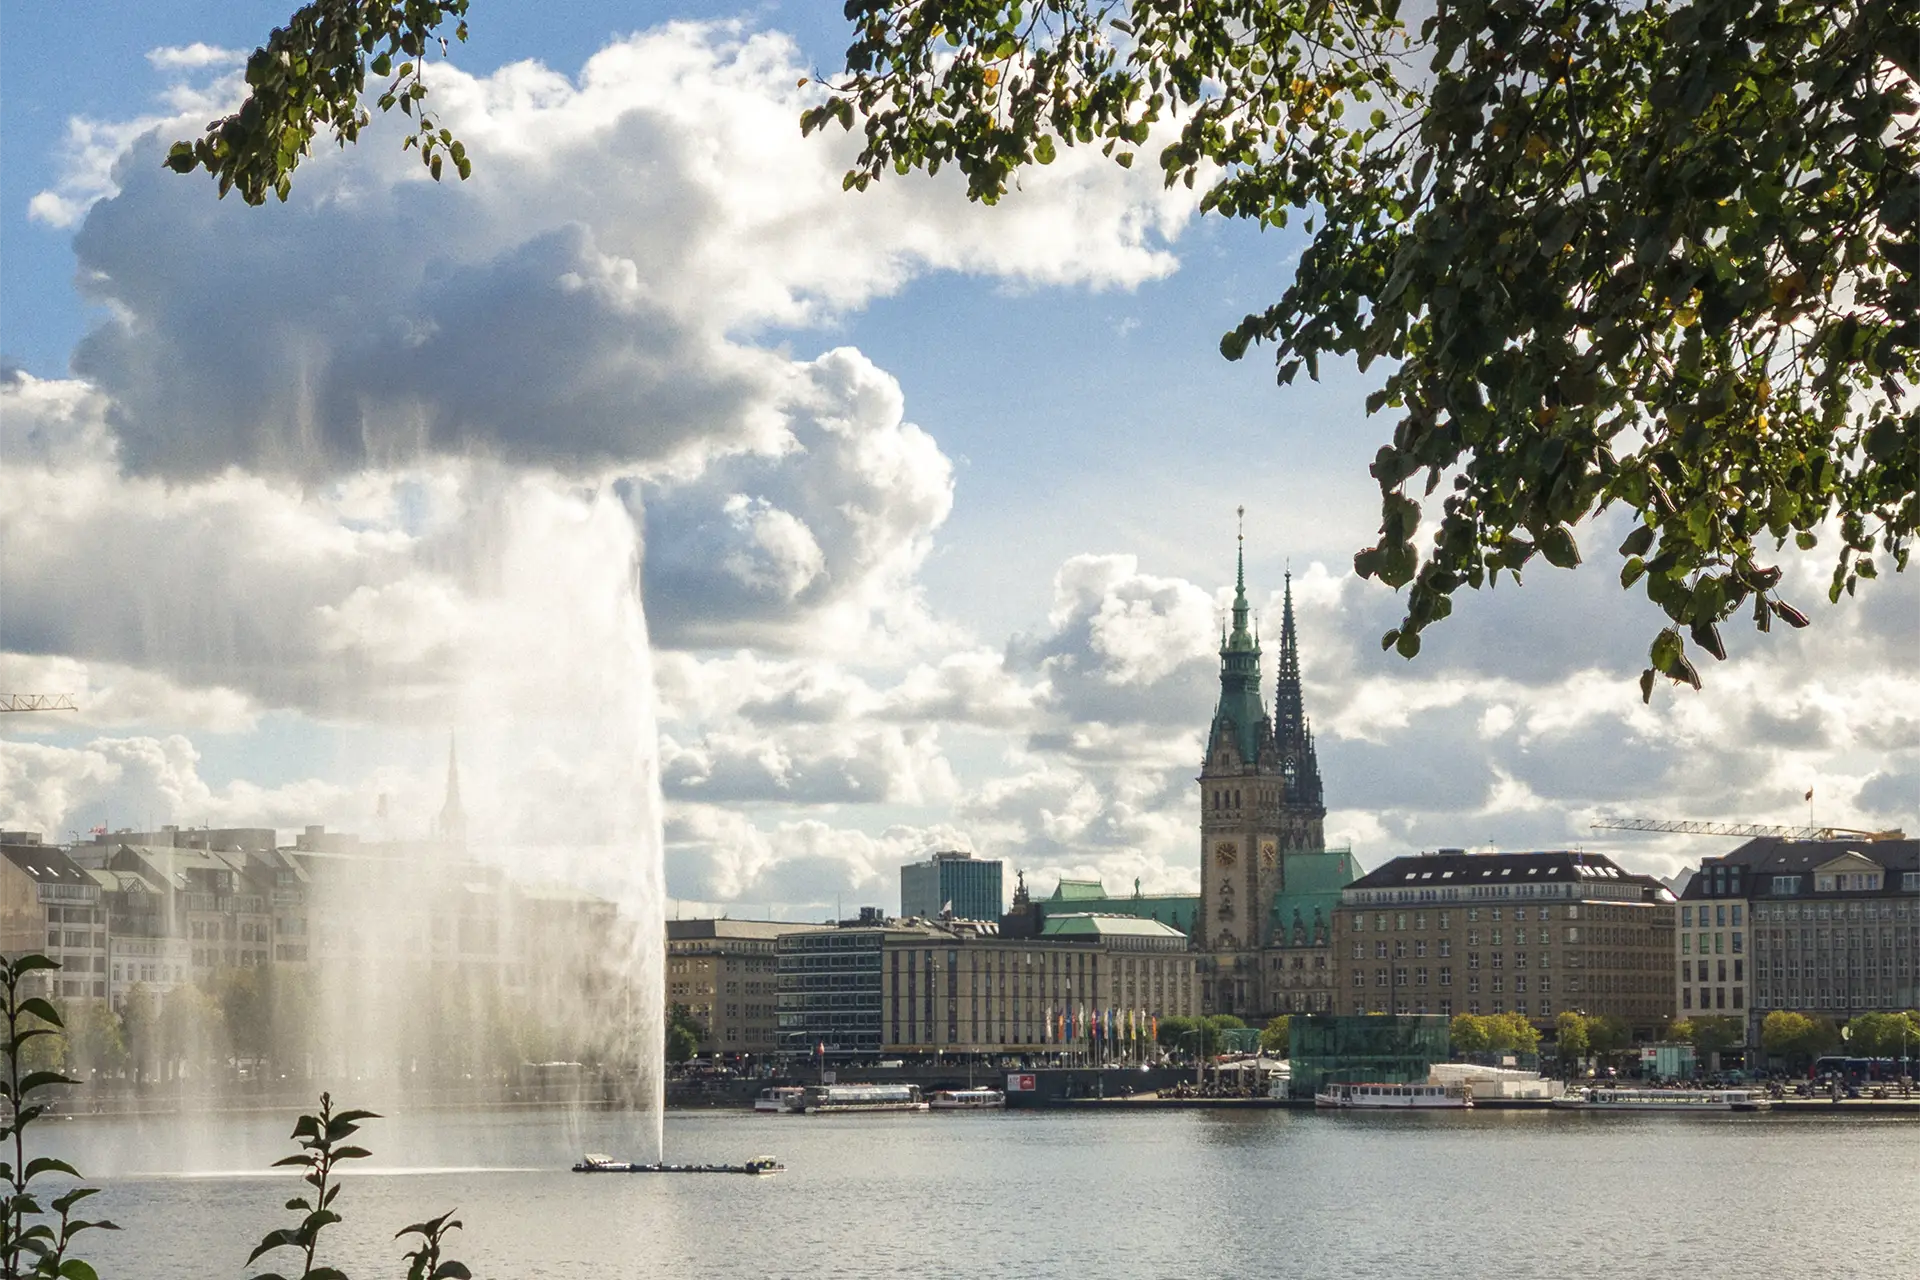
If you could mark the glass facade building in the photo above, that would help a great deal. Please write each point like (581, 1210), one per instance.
(1370, 1049)
(970, 884)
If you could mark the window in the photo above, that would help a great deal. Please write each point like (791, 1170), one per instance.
(1496, 959)
(1420, 949)
(1686, 998)
(1737, 936)
(1736, 915)
(1737, 966)
(1379, 977)
(1420, 977)
(1473, 959)
(1446, 947)
(1686, 971)
(1446, 918)
(1686, 944)
(1446, 976)
(1379, 951)
(1686, 917)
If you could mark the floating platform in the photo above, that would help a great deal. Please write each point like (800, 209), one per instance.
(759, 1166)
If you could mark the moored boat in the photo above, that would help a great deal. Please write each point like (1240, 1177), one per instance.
(967, 1100)
(781, 1099)
(593, 1162)
(831, 1098)
(1666, 1101)
(1394, 1097)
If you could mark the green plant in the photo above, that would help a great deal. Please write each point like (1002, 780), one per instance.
(30, 1248)
(323, 1136)
(424, 1263)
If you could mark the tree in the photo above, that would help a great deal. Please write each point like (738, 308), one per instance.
(1883, 1035)
(684, 1034)
(1660, 255)
(1510, 1032)
(1608, 1034)
(1468, 1034)
(1570, 1041)
(1709, 1034)
(1274, 1039)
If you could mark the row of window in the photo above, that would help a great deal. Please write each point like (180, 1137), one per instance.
(1687, 971)
(1778, 911)
(1711, 998)
(1689, 942)
(1723, 913)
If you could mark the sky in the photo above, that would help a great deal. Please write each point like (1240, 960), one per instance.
(867, 524)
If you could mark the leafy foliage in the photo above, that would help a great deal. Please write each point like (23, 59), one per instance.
(1796, 1036)
(29, 1247)
(312, 74)
(1710, 1033)
(1570, 1039)
(1884, 1035)
(1471, 1033)
(1662, 255)
(322, 1135)
(1276, 1036)
(424, 1262)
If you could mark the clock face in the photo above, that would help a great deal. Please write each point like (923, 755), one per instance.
(1225, 853)
(1269, 853)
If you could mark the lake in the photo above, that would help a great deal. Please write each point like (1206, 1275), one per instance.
(1045, 1194)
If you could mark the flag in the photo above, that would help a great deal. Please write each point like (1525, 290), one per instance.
(821, 1048)
(1809, 793)
(97, 831)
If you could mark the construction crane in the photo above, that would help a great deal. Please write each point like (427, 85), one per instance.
(1745, 829)
(37, 702)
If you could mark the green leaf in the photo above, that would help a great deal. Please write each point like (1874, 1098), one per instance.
(75, 1269)
(1043, 149)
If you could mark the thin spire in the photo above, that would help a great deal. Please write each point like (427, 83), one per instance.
(453, 818)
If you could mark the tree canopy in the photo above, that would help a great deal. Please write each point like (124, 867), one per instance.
(1660, 256)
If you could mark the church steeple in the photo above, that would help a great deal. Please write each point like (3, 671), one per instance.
(1239, 716)
(452, 825)
(1292, 734)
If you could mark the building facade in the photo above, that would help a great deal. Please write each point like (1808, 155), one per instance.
(726, 973)
(1260, 800)
(952, 883)
(1536, 934)
(1832, 930)
(879, 987)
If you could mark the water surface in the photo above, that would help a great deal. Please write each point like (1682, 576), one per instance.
(1051, 1194)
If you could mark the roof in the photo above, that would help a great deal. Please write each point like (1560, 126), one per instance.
(767, 930)
(1765, 857)
(1077, 890)
(45, 864)
(1083, 924)
(1437, 870)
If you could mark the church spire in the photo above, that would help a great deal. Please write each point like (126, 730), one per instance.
(1291, 732)
(1240, 715)
(452, 826)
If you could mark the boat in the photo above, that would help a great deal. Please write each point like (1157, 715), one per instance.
(830, 1098)
(1394, 1097)
(967, 1100)
(782, 1099)
(758, 1166)
(1668, 1101)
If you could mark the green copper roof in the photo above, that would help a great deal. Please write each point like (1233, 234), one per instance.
(1239, 712)
(1105, 925)
(1076, 890)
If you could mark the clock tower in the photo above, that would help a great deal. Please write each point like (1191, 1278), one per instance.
(1242, 793)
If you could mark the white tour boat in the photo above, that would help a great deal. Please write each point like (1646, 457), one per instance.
(1395, 1097)
(967, 1100)
(782, 1099)
(1668, 1101)
(830, 1098)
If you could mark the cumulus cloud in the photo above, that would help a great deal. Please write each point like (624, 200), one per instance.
(583, 304)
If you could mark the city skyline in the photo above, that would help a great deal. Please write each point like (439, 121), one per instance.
(937, 545)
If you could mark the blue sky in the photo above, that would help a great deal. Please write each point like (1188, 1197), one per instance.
(937, 502)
